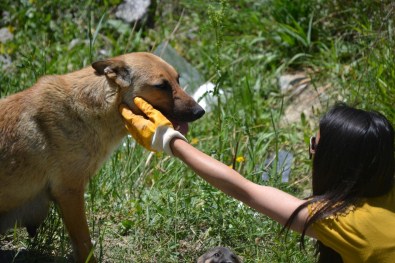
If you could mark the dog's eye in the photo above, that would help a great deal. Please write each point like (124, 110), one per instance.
(161, 86)
(216, 255)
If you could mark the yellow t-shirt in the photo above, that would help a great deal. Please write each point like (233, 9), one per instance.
(365, 234)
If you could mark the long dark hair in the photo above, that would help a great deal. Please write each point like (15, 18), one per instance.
(354, 159)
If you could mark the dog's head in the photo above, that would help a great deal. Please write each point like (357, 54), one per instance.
(219, 255)
(151, 78)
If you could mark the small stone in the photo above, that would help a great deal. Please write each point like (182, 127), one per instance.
(132, 10)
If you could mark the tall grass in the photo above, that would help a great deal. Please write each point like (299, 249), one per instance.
(151, 208)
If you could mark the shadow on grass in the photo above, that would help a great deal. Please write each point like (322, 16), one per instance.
(30, 256)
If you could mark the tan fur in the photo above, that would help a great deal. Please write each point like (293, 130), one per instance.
(55, 135)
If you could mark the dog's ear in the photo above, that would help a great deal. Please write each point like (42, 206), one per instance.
(116, 70)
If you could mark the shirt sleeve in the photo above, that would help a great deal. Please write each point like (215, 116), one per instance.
(337, 233)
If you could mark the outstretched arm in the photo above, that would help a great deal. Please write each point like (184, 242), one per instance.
(156, 133)
(270, 201)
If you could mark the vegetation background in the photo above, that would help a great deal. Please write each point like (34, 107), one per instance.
(151, 208)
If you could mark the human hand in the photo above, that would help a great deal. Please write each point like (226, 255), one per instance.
(154, 133)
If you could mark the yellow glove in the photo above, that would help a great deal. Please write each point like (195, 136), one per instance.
(155, 133)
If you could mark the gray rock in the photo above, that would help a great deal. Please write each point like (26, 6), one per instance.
(278, 164)
(293, 84)
(132, 10)
(301, 99)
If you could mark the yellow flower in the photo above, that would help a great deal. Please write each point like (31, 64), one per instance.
(240, 159)
(194, 141)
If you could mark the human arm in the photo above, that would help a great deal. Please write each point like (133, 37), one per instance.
(267, 200)
(270, 201)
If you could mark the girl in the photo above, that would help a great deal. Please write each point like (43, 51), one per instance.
(352, 210)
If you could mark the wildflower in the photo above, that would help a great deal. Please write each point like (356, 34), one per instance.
(194, 141)
(240, 159)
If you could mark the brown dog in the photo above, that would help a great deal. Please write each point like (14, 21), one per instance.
(55, 135)
(219, 255)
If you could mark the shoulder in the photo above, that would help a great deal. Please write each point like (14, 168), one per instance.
(361, 229)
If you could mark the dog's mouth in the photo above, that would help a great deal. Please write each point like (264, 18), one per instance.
(182, 127)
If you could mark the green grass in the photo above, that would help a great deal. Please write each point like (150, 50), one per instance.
(160, 211)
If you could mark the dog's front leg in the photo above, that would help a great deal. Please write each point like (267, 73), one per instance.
(71, 203)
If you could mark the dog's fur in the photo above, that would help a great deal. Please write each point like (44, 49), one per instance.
(55, 135)
(219, 255)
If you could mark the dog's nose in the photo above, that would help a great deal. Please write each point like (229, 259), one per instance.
(198, 112)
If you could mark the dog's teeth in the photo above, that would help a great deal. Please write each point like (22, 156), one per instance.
(177, 127)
